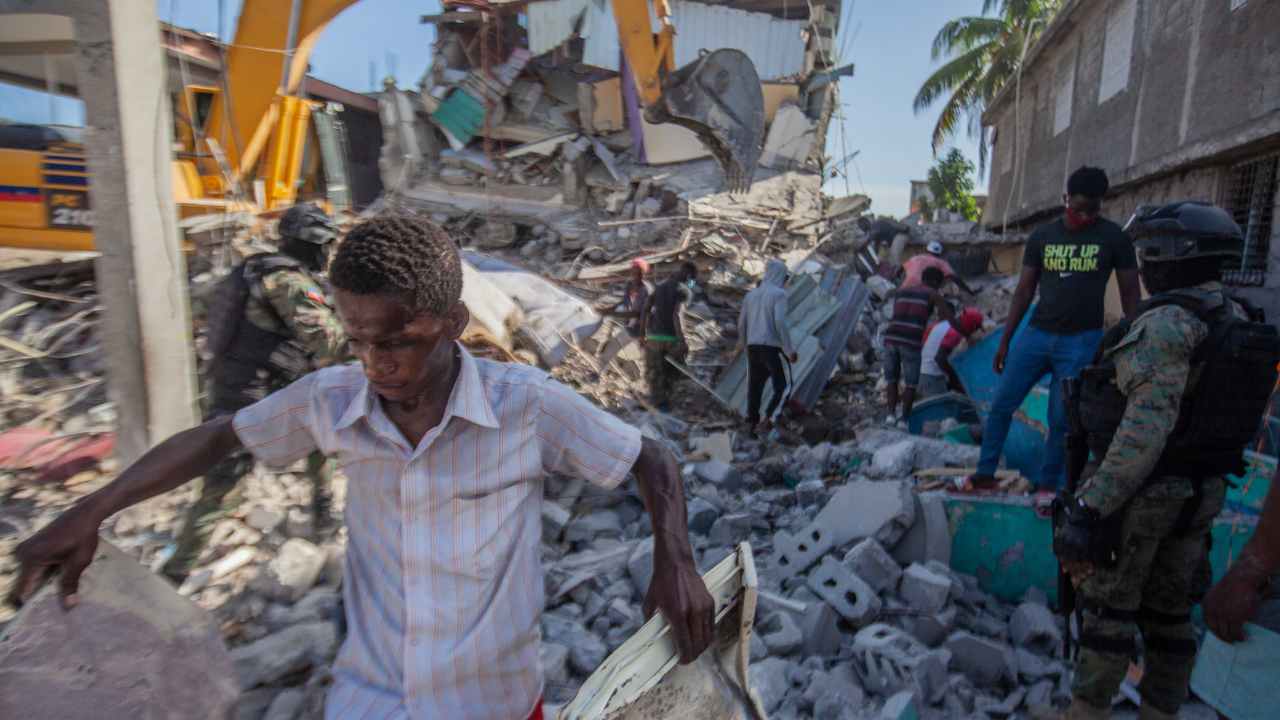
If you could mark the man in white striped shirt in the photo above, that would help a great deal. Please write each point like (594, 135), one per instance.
(445, 455)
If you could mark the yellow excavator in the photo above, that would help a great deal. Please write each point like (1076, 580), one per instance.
(255, 142)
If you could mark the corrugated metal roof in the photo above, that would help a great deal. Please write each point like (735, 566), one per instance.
(776, 46)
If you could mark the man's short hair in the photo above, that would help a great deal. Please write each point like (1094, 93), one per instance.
(689, 268)
(402, 255)
(932, 276)
(1090, 182)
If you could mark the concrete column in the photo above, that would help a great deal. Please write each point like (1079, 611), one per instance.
(142, 273)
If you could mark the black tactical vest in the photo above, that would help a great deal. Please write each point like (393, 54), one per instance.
(248, 362)
(1233, 371)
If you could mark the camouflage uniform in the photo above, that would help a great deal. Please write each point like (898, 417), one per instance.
(287, 302)
(657, 371)
(1159, 576)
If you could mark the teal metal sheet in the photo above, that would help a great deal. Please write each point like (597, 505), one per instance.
(460, 115)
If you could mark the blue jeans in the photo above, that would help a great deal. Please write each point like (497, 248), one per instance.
(1034, 354)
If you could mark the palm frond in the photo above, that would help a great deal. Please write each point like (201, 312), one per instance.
(964, 34)
(951, 76)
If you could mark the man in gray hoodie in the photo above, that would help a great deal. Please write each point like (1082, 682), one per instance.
(762, 329)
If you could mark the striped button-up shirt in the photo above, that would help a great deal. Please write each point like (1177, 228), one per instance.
(443, 586)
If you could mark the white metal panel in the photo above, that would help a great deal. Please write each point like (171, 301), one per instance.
(602, 48)
(551, 22)
(775, 46)
(1065, 94)
(1118, 49)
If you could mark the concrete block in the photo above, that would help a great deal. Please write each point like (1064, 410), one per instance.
(811, 492)
(291, 650)
(795, 554)
(924, 590)
(1034, 625)
(640, 565)
(899, 707)
(931, 630)
(896, 460)
(759, 650)
(786, 639)
(701, 516)
(1034, 666)
(980, 659)
(592, 525)
(716, 445)
(131, 645)
(291, 573)
(866, 508)
(931, 675)
(770, 678)
(586, 650)
(819, 628)
(555, 663)
(929, 537)
(717, 471)
(730, 529)
(844, 592)
(869, 561)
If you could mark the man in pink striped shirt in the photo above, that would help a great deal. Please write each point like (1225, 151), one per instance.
(445, 455)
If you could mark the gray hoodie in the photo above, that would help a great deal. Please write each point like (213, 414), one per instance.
(763, 320)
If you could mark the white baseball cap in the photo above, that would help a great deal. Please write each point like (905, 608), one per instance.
(935, 248)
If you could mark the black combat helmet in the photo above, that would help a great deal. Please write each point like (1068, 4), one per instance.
(1185, 231)
(308, 223)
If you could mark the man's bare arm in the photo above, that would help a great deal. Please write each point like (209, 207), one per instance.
(67, 544)
(676, 589)
(1130, 293)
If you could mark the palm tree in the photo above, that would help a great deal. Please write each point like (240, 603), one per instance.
(983, 53)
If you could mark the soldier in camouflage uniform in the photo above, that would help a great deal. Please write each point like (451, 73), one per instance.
(269, 324)
(1155, 565)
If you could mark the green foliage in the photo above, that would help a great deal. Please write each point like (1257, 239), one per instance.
(951, 182)
(982, 53)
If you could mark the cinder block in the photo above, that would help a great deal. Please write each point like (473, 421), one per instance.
(932, 630)
(867, 508)
(796, 554)
(844, 592)
(980, 659)
(730, 529)
(786, 639)
(1034, 625)
(869, 561)
(924, 589)
(819, 631)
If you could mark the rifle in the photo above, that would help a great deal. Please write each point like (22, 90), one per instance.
(1077, 455)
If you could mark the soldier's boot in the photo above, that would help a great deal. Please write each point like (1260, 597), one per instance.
(325, 521)
(1081, 710)
(218, 497)
(1146, 712)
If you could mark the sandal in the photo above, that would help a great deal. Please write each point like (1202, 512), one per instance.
(973, 485)
(1044, 504)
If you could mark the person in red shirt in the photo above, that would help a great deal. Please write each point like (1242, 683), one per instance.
(915, 266)
(936, 374)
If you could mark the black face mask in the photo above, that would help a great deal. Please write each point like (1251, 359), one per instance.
(1164, 276)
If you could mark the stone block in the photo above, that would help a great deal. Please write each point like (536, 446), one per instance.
(291, 650)
(730, 529)
(795, 554)
(866, 508)
(981, 660)
(702, 515)
(554, 520)
(869, 561)
(717, 471)
(844, 592)
(771, 680)
(291, 573)
(786, 639)
(131, 645)
(640, 565)
(592, 525)
(586, 650)
(811, 492)
(1034, 625)
(929, 537)
(924, 590)
(819, 628)
(931, 630)
(554, 659)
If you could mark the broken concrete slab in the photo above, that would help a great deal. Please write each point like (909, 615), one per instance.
(795, 554)
(823, 684)
(716, 445)
(786, 639)
(702, 515)
(730, 529)
(869, 561)
(982, 660)
(819, 628)
(866, 508)
(640, 565)
(896, 460)
(1034, 625)
(719, 472)
(770, 677)
(131, 645)
(929, 537)
(586, 650)
(554, 520)
(928, 452)
(811, 492)
(291, 573)
(291, 650)
(844, 592)
(924, 590)
(931, 630)
(588, 527)
(554, 659)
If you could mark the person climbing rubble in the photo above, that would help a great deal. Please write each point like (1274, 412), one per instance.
(1070, 260)
(269, 324)
(1169, 404)
(932, 258)
(904, 340)
(936, 374)
(634, 296)
(447, 455)
(662, 332)
(884, 233)
(763, 333)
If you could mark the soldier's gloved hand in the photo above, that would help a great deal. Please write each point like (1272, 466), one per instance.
(1073, 542)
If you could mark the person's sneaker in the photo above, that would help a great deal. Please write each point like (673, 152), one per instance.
(891, 421)
(903, 426)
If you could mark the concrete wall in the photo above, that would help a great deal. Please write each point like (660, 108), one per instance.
(1202, 91)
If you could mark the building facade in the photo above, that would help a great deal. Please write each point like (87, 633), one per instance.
(1175, 99)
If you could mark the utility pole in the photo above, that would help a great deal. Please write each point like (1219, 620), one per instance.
(142, 271)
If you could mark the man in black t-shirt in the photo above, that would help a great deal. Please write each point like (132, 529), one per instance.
(662, 334)
(1070, 260)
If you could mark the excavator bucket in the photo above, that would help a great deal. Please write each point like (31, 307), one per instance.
(718, 97)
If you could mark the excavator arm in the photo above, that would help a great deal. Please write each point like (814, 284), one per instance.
(717, 96)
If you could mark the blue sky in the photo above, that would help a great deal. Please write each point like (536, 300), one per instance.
(888, 41)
